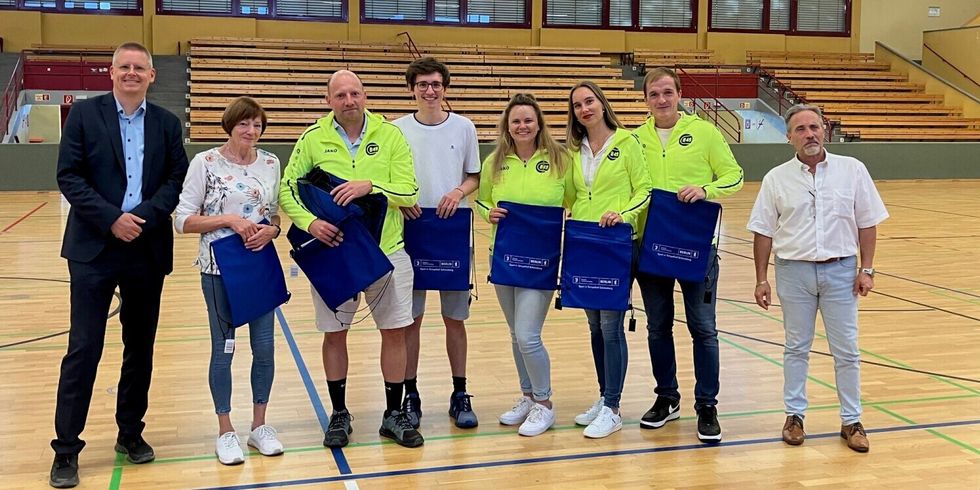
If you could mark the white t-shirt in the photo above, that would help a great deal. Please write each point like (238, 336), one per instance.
(816, 217)
(664, 135)
(443, 154)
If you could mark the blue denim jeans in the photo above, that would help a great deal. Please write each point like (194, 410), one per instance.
(658, 301)
(805, 288)
(609, 353)
(525, 311)
(261, 334)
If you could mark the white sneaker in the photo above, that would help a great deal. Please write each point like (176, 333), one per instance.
(604, 424)
(538, 421)
(517, 414)
(264, 439)
(228, 448)
(586, 417)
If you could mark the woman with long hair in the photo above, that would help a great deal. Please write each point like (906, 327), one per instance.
(610, 186)
(529, 167)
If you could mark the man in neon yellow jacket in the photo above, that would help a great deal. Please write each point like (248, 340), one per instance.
(373, 157)
(689, 156)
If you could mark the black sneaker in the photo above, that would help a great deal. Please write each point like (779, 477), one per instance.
(338, 429)
(663, 410)
(709, 430)
(412, 407)
(396, 425)
(64, 471)
(137, 451)
(461, 410)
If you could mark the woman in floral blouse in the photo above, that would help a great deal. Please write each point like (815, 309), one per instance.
(232, 189)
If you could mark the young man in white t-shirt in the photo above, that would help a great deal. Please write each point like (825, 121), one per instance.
(447, 167)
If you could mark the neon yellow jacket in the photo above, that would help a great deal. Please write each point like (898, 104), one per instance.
(383, 157)
(530, 182)
(621, 184)
(697, 154)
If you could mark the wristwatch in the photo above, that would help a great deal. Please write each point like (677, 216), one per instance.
(869, 271)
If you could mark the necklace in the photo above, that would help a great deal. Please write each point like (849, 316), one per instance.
(234, 158)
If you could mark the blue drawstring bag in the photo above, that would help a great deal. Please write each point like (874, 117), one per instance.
(596, 266)
(336, 273)
(677, 240)
(440, 250)
(527, 246)
(370, 210)
(253, 281)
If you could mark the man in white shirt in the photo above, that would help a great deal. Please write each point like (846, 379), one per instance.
(447, 167)
(816, 212)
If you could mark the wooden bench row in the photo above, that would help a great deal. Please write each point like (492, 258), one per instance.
(285, 118)
(407, 105)
(395, 56)
(379, 79)
(865, 85)
(921, 134)
(831, 109)
(754, 56)
(367, 67)
(373, 92)
(860, 96)
(427, 48)
(901, 121)
(819, 65)
(790, 74)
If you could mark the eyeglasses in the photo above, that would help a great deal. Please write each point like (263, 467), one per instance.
(423, 86)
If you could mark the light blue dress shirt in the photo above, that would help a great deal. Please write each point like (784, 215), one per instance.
(133, 138)
(351, 147)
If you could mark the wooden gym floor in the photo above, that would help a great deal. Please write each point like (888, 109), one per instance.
(920, 330)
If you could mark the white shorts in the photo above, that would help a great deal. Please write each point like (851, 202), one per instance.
(389, 300)
(455, 304)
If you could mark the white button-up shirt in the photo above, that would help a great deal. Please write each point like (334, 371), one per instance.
(816, 217)
(590, 162)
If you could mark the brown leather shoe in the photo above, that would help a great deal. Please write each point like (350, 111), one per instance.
(856, 437)
(793, 431)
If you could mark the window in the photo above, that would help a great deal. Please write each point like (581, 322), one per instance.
(298, 9)
(133, 7)
(786, 16)
(678, 15)
(821, 15)
(471, 12)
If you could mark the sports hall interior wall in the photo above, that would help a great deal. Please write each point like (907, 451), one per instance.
(32, 167)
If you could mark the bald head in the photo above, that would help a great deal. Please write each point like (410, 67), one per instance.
(345, 95)
(343, 76)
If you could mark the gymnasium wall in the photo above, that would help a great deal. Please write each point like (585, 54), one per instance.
(168, 34)
(899, 23)
(32, 167)
(953, 96)
(959, 47)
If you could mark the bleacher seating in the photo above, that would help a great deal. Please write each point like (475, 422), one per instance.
(288, 77)
(865, 100)
(675, 57)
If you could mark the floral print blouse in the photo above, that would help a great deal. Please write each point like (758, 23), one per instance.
(215, 186)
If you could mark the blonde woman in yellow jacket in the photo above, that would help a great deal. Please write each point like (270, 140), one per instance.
(610, 186)
(527, 167)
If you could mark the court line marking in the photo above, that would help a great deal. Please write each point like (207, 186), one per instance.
(22, 218)
(321, 414)
(563, 428)
(575, 457)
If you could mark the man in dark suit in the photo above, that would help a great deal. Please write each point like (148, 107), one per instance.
(121, 166)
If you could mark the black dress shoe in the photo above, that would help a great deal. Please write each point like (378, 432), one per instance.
(64, 471)
(137, 451)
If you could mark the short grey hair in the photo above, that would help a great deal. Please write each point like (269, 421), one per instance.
(132, 46)
(798, 108)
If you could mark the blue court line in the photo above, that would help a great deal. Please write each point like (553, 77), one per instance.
(321, 413)
(573, 457)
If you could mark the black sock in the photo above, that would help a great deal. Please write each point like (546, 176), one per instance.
(459, 384)
(338, 394)
(393, 396)
(412, 386)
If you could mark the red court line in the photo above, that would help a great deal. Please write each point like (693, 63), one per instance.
(22, 218)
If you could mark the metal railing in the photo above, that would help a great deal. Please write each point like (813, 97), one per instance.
(711, 106)
(783, 97)
(10, 94)
(951, 65)
(413, 50)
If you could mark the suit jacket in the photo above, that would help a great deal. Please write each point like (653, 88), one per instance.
(92, 176)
